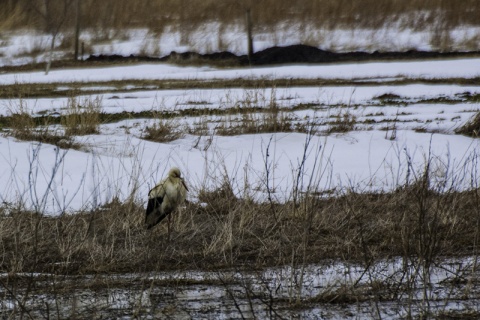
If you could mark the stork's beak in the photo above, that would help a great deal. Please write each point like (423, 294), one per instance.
(184, 185)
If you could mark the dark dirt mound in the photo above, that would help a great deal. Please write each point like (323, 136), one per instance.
(308, 54)
(283, 55)
(189, 55)
(291, 54)
(224, 57)
(119, 58)
(271, 56)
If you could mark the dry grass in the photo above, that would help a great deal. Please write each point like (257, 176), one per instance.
(156, 14)
(24, 126)
(472, 127)
(248, 123)
(110, 19)
(42, 90)
(254, 113)
(228, 231)
(342, 122)
(165, 130)
(82, 116)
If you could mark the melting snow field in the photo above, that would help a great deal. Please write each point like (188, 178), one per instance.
(119, 165)
(436, 69)
(417, 122)
(402, 120)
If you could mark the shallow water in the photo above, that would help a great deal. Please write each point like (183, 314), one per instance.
(333, 290)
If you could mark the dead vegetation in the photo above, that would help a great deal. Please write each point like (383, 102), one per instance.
(81, 118)
(472, 127)
(158, 14)
(417, 223)
(164, 131)
(258, 111)
(225, 231)
(46, 90)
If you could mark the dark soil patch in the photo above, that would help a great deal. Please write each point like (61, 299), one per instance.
(283, 55)
(270, 56)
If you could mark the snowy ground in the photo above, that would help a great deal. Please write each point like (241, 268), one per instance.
(400, 118)
(379, 71)
(29, 46)
(420, 119)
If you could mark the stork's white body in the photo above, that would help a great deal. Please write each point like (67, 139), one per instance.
(165, 197)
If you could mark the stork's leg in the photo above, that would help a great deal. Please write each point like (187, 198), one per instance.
(168, 227)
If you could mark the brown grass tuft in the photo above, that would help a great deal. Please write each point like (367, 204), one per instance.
(471, 128)
(25, 127)
(82, 116)
(343, 122)
(165, 130)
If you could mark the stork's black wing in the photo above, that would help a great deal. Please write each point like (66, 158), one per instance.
(153, 203)
(153, 212)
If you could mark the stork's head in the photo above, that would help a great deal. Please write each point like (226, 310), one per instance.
(174, 173)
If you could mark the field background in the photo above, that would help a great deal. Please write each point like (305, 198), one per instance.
(154, 14)
(156, 28)
(316, 190)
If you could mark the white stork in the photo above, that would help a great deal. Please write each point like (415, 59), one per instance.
(165, 197)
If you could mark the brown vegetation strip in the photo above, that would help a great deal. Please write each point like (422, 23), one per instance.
(45, 90)
(291, 54)
(157, 14)
(411, 222)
